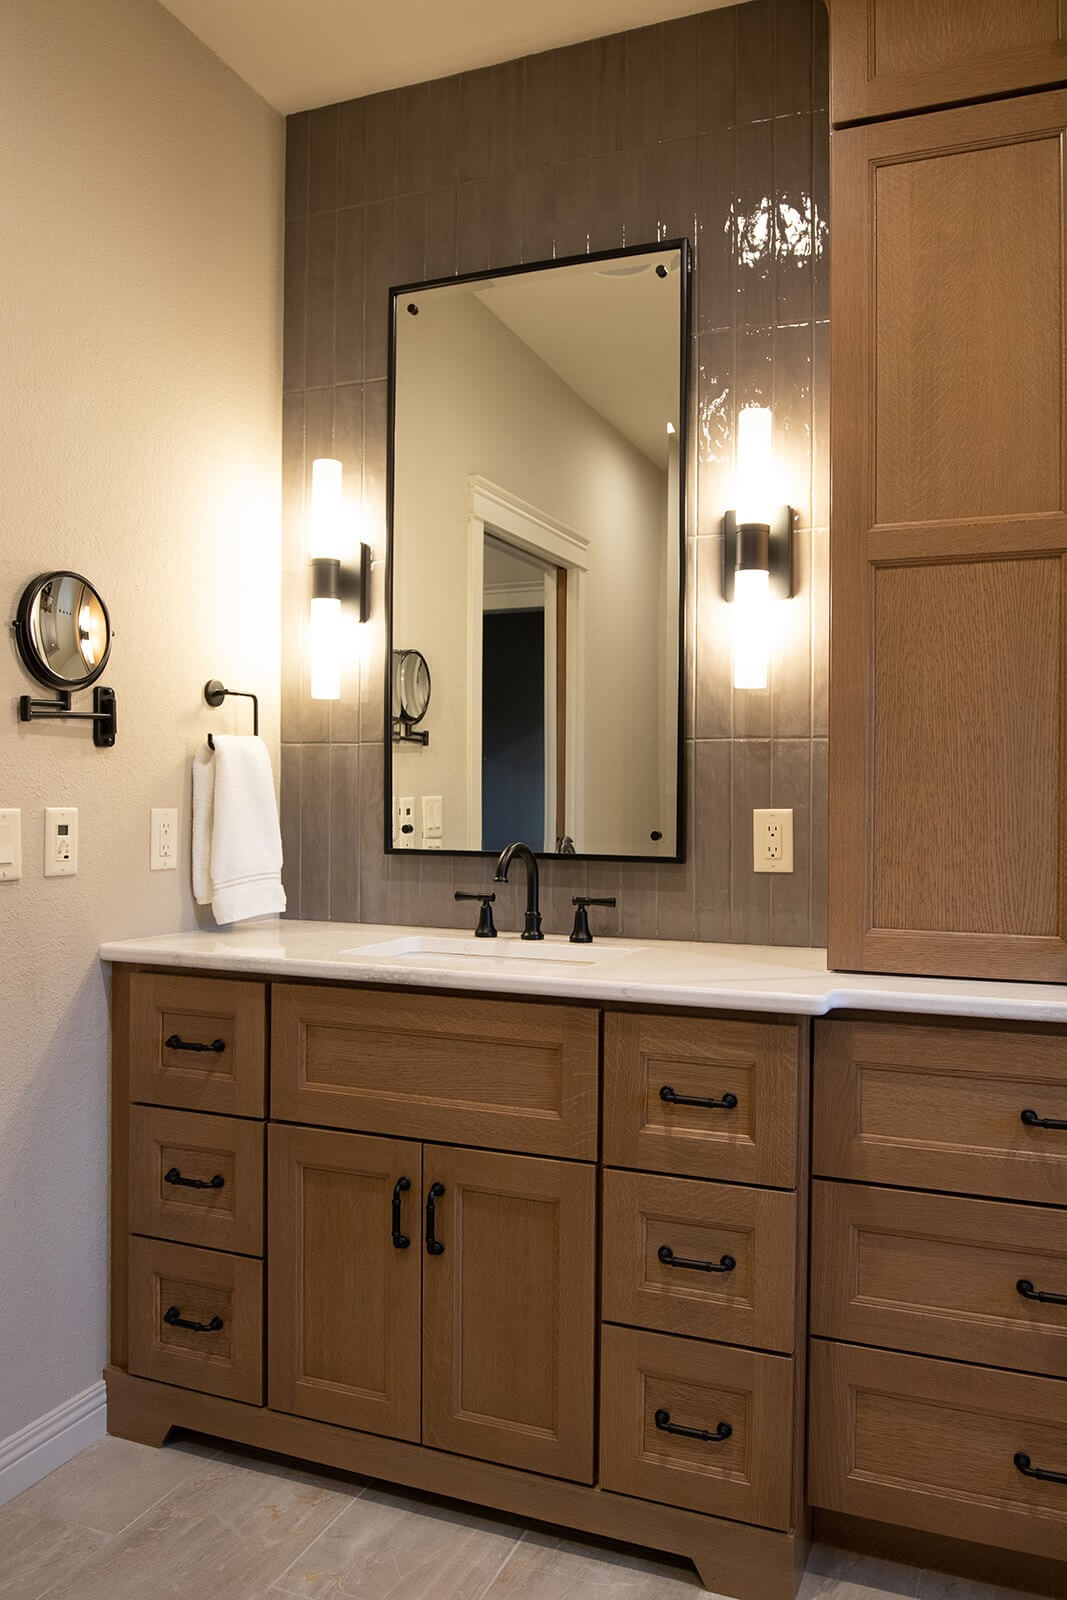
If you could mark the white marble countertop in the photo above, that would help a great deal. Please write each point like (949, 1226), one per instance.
(643, 972)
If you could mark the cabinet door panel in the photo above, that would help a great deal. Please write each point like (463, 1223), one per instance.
(509, 1311)
(344, 1300)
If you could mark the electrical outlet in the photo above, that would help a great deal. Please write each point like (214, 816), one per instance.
(404, 823)
(60, 841)
(163, 850)
(772, 841)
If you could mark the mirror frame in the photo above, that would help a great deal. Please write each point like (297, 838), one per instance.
(685, 339)
(28, 653)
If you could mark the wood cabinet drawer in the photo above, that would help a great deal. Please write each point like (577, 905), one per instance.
(742, 1077)
(747, 1237)
(934, 1444)
(940, 1275)
(741, 1398)
(942, 1108)
(198, 1043)
(197, 1179)
(173, 1284)
(484, 1072)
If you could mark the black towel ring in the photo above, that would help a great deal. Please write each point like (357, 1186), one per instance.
(215, 693)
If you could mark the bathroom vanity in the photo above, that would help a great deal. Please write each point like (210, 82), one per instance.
(531, 1228)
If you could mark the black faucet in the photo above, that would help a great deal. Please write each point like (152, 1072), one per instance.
(531, 927)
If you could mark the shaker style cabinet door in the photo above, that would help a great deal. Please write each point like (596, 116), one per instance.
(345, 1260)
(948, 794)
(509, 1271)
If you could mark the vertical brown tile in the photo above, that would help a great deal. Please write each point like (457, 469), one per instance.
(606, 89)
(344, 832)
(436, 907)
(294, 320)
(715, 253)
(713, 714)
(754, 222)
(538, 214)
(791, 681)
(409, 246)
(637, 900)
(714, 442)
(681, 44)
(315, 832)
(349, 293)
(541, 146)
(352, 153)
(322, 254)
(472, 248)
(380, 113)
(412, 138)
(371, 838)
(716, 58)
(641, 99)
(402, 888)
(475, 106)
(820, 425)
(711, 839)
(442, 131)
(607, 211)
(750, 895)
(505, 202)
(820, 56)
(792, 55)
(292, 480)
(441, 232)
(379, 255)
(574, 105)
(507, 88)
(375, 448)
(561, 879)
(603, 880)
(293, 629)
(678, 188)
(676, 891)
(794, 224)
(820, 204)
(817, 932)
(348, 448)
(792, 407)
(289, 814)
(755, 61)
(791, 892)
(574, 198)
(322, 158)
(296, 164)
(820, 630)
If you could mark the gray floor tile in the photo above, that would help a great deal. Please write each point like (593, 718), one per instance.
(112, 1483)
(842, 1575)
(940, 1586)
(548, 1567)
(37, 1552)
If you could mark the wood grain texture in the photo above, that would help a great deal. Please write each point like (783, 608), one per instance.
(751, 1142)
(747, 1475)
(508, 1309)
(937, 1275)
(930, 1444)
(501, 1073)
(202, 1284)
(753, 1304)
(948, 537)
(733, 1558)
(889, 56)
(344, 1304)
(119, 1186)
(939, 1107)
(199, 1010)
(199, 1147)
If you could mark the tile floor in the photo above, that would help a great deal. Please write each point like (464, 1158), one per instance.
(198, 1522)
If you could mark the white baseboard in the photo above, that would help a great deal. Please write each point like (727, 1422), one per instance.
(38, 1449)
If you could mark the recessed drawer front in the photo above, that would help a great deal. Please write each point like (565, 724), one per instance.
(199, 1043)
(196, 1319)
(197, 1179)
(737, 1405)
(705, 1098)
(712, 1260)
(941, 1275)
(501, 1074)
(941, 1446)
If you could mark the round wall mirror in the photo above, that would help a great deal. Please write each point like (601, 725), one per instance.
(411, 686)
(63, 631)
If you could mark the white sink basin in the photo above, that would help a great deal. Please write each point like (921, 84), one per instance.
(464, 946)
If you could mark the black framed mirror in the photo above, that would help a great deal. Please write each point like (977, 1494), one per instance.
(537, 514)
(63, 631)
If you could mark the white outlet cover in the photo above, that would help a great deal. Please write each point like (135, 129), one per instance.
(772, 841)
(60, 841)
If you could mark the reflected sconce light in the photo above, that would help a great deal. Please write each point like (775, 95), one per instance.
(757, 546)
(331, 583)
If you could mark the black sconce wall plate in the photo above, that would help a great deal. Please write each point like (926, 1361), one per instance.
(779, 553)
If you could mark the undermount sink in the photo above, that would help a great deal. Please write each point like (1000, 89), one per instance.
(503, 948)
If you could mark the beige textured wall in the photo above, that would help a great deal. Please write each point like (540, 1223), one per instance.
(140, 368)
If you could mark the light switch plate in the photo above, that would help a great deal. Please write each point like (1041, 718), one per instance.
(10, 846)
(60, 841)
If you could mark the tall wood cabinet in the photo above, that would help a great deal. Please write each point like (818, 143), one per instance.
(949, 507)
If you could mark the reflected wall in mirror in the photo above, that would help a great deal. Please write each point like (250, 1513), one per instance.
(537, 532)
(63, 631)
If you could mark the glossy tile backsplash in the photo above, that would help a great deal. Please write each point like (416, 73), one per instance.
(714, 126)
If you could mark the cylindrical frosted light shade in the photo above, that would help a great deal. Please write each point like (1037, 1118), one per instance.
(324, 516)
(751, 628)
(753, 497)
(325, 649)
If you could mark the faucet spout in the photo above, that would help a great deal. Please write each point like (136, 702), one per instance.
(531, 928)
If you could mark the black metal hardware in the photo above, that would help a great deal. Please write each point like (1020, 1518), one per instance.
(103, 716)
(175, 1042)
(173, 1317)
(580, 933)
(655, 835)
(1022, 1463)
(413, 309)
(1030, 1119)
(400, 1240)
(663, 1422)
(531, 923)
(434, 1247)
(727, 1103)
(669, 1259)
(486, 928)
(174, 1176)
(1028, 1292)
(215, 694)
(406, 716)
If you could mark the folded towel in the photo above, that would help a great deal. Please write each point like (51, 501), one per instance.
(237, 843)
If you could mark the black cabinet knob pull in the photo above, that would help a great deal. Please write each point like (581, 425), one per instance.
(400, 1240)
(1030, 1119)
(174, 1318)
(1022, 1463)
(669, 1259)
(1028, 1292)
(727, 1102)
(174, 1176)
(663, 1422)
(434, 1247)
(176, 1042)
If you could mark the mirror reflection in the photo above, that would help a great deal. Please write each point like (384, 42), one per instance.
(63, 631)
(536, 553)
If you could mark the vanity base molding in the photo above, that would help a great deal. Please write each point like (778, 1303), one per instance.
(936, 1552)
(732, 1558)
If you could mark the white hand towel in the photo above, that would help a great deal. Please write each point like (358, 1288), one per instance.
(237, 843)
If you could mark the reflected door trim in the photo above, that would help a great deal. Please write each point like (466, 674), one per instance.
(524, 525)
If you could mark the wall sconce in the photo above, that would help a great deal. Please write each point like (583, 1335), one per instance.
(330, 581)
(757, 545)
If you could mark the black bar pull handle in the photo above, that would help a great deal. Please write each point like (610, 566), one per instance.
(434, 1247)
(1022, 1463)
(727, 1102)
(663, 1422)
(174, 1176)
(1028, 1292)
(175, 1042)
(174, 1318)
(400, 1240)
(669, 1259)
(1030, 1119)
